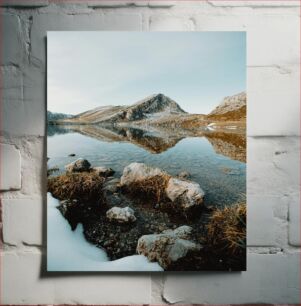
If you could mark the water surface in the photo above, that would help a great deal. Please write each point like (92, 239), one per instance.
(214, 160)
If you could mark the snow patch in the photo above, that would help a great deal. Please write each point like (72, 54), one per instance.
(68, 250)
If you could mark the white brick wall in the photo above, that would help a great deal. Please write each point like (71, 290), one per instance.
(273, 177)
(269, 279)
(10, 167)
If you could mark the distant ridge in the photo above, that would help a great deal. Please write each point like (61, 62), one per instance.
(56, 116)
(160, 110)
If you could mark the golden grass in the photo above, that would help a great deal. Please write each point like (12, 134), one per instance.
(226, 230)
(151, 188)
(87, 185)
(239, 114)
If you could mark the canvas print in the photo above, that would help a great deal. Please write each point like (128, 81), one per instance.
(146, 151)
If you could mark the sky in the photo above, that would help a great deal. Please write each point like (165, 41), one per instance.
(196, 69)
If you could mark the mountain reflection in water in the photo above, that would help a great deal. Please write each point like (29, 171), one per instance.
(156, 140)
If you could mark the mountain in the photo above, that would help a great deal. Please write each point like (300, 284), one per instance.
(161, 111)
(231, 108)
(56, 116)
(152, 107)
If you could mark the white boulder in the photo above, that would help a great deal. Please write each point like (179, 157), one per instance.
(135, 172)
(188, 194)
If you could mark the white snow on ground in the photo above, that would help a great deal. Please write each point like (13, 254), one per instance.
(68, 250)
(211, 126)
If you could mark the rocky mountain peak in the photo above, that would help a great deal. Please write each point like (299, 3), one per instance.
(231, 104)
(154, 105)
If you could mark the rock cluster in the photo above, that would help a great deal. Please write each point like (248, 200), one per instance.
(82, 165)
(181, 192)
(92, 197)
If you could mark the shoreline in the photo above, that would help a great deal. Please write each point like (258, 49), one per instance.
(112, 236)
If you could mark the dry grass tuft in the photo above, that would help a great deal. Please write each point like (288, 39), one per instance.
(86, 185)
(226, 230)
(151, 188)
(239, 114)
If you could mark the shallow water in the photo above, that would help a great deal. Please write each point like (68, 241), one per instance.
(213, 161)
(223, 179)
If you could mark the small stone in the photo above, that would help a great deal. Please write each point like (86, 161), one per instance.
(80, 165)
(103, 171)
(72, 154)
(121, 215)
(161, 228)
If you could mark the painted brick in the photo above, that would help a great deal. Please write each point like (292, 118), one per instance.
(269, 279)
(267, 3)
(294, 220)
(10, 160)
(269, 37)
(211, 22)
(273, 89)
(89, 22)
(116, 4)
(23, 109)
(157, 288)
(33, 166)
(24, 3)
(24, 282)
(12, 45)
(169, 23)
(268, 34)
(273, 165)
(22, 221)
(260, 218)
(11, 85)
(154, 3)
(34, 106)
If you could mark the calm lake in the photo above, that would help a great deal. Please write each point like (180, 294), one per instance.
(214, 159)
